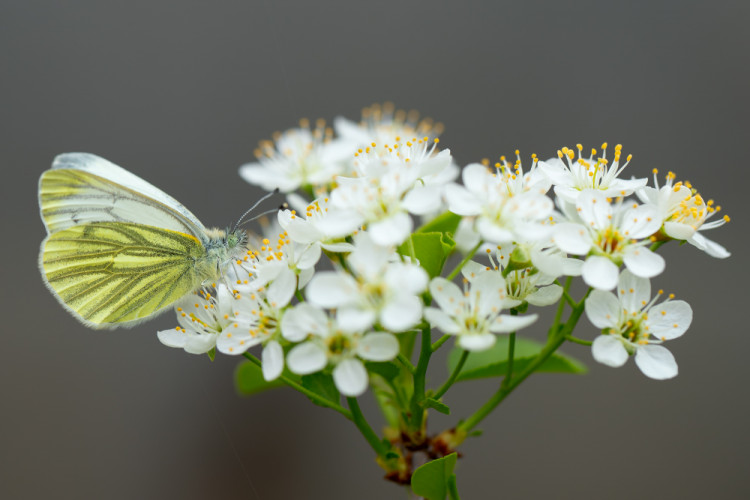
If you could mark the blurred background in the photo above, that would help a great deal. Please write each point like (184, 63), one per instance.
(180, 92)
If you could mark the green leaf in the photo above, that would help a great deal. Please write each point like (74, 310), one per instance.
(443, 223)
(436, 405)
(212, 354)
(322, 385)
(248, 379)
(387, 370)
(431, 480)
(494, 362)
(430, 249)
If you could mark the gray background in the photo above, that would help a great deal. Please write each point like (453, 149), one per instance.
(179, 92)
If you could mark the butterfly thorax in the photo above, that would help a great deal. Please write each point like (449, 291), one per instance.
(222, 247)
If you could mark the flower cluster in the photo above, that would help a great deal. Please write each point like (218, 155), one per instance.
(356, 193)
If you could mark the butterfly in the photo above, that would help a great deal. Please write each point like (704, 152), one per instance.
(119, 250)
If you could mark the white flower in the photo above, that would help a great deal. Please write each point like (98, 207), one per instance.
(474, 316)
(684, 212)
(508, 206)
(283, 263)
(319, 226)
(376, 290)
(589, 173)
(202, 317)
(385, 125)
(326, 343)
(526, 284)
(299, 157)
(632, 323)
(609, 235)
(389, 186)
(255, 322)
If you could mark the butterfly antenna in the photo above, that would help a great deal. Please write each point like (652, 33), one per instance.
(283, 206)
(255, 205)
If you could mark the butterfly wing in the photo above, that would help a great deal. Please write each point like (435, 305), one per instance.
(81, 188)
(111, 274)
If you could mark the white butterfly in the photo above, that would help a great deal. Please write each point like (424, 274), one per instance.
(120, 250)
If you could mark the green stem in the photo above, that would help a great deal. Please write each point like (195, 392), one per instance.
(420, 374)
(571, 302)
(405, 361)
(577, 340)
(442, 340)
(454, 374)
(297, 387)
(364, 427)
(561, 306)
(299, 296)
(511, 354)
(556, 339)
(466, 259)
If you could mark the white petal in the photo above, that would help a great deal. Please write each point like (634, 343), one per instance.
(354, 319)
(640, 222)
(488, 292)
(302, 320)
(368, 259)
(331, 289)
(472, 269)
(272, 359)
(447, 294)
(391, 231)
(267, 178)
(600, 272)
(440, 320)
(555, 170)
(461, 201)
(423, 199)
(506, 323)
(338, 247)
(549, 263)
(298, 229)
(466, 237)
(310, 256)
(476, 342)
(572, 238)
(572, 267)
(643, 262)
(678, 230)
(401, 313)
(406, 278)
(603, 309)
(199, 343)
(350, 377)
(494, 233)
(608, 350)
(656, 362)
(339, 223)
(545, 296)
(306, 358)
(476, 177)
(304, 277)
(634, 292)
(172, 338)
(710, 247)
(281, 290)
(669, 320)
(378, 346)
(594, 209)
